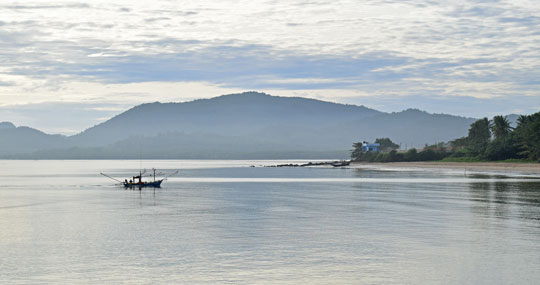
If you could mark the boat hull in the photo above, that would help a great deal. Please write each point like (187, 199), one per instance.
(155, 184)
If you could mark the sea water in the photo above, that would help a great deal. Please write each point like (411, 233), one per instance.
(224, 222)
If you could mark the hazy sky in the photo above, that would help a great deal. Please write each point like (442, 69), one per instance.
(68, 65)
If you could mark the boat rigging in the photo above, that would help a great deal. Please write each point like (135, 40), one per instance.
(137, 180)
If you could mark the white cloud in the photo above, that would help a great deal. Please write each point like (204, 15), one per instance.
(119, 93)
(113, 51)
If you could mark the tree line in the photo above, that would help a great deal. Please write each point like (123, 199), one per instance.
(487, 140)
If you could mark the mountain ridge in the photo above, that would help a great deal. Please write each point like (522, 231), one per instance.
(213, 112)
(235, 125)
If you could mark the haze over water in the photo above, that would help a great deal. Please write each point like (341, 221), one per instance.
(224, 222)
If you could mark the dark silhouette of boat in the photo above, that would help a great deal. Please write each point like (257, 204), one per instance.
(137, 181)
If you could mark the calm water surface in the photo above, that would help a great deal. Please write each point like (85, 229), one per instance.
(223, 222)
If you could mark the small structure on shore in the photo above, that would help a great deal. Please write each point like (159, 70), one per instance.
(367, 147)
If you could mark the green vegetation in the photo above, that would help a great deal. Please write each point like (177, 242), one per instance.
(429, 153)
(463, 159)
(479, 137)
(500, 127)
(487, 140)
(387, 145)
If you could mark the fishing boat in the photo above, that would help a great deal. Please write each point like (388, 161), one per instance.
(137, 180)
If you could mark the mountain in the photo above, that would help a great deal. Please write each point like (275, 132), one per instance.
(15, 140)
(237, 114)
(513, 120)
(247, 125)
(6, 125)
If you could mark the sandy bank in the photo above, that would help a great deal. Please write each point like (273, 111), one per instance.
(498, 167)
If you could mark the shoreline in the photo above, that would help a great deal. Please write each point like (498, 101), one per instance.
(480, 167)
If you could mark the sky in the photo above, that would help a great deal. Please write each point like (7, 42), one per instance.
(68, 65)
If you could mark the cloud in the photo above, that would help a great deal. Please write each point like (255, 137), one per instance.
(58, 6)
(90, 103)
(6, 83)
(246, 66)
(50, 117)
(528, 20)
(467, 106)
(443, 49)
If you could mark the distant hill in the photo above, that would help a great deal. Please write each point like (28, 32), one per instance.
(17, 140)
(6, 125)
(246, 125)
(229, 115)
(513, 119)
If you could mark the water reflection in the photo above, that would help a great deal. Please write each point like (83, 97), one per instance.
(269, 225)
(529, 198)
(488, 199)
(502, 199)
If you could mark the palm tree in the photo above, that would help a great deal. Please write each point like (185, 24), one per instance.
(501, 127)
(479, 137)
(356, 153)
(522, 120)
